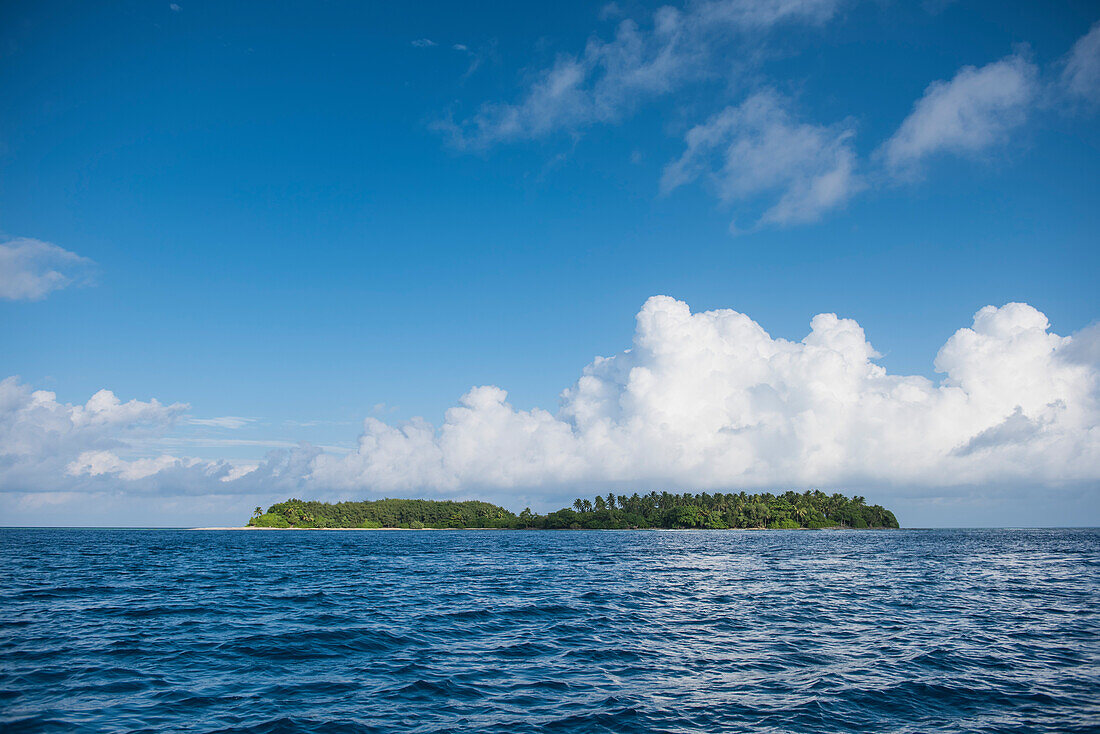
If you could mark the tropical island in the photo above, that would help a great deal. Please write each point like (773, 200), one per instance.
(790, 510)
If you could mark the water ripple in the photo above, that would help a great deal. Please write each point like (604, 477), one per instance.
(908, 631)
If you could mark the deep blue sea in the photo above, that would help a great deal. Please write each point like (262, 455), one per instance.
(710, 631)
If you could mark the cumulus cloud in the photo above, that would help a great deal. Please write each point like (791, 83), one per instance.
(98, 463)
(40, 437)
(1081, 73)
(610, 77)
(711, 400)
(970, 113)
(759, 148)
(703, 400)
(31, 269)
(47, 446)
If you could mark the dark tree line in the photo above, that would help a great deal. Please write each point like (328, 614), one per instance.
(654, 510)
(718, 510)
(384, 514)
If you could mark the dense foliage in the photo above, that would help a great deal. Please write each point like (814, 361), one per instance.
(653, 510)
(385, 514)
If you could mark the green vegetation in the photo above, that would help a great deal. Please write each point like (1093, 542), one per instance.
(385, 514)
(789, 510)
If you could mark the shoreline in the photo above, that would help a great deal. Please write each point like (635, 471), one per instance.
(602, 530)
(254, 527)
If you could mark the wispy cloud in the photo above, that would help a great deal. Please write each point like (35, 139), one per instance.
(184, 442)
(756, 153)
(758, 147)
(973, 111)
(226, 421)
(423, 43)
(31, 269)
(1081, 73)
(314, 423)
(611, 78)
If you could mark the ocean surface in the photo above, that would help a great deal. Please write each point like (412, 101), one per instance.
(710, 631)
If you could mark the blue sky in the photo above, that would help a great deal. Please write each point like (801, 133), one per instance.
(306, 214)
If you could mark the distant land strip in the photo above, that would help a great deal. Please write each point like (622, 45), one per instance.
(790, 510)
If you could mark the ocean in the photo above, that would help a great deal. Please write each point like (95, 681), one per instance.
(134, 630)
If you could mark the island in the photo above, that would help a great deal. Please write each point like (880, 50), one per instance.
(790, 510)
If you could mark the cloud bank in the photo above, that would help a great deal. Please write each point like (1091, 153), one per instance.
(47, 447)
(700, 400)
(42, 440)
(710, 400)
(31, 269)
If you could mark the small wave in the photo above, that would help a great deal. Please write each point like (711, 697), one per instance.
(914, 631)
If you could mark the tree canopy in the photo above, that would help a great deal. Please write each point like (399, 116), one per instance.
(790, 510)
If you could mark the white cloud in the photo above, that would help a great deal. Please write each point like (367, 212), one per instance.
(761, 14)
(226, 421)
(167, 443)
(973, 111)
(102, 445)
(98, 463)
(423, 43)
(1081, 74)
(31, 269)
(710, 400)
(40, 437)
(700, 401)
(759, 148)
(609, 78)
(609, 11)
